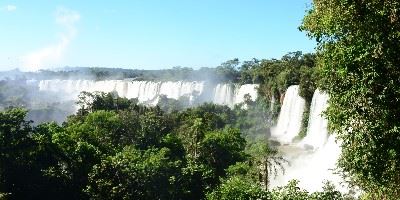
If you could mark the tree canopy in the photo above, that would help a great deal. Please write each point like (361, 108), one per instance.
(358, 57)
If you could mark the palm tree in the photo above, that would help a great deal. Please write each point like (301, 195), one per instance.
(267, 162)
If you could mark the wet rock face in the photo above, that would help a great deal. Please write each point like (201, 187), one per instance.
(282, 97)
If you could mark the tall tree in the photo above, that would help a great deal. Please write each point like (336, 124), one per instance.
(358, 53)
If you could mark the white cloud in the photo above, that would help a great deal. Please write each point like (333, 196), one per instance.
(52, 54)
(9, 8)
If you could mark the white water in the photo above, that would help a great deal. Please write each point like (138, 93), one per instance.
(250, 89)
(223, 94)
(230, 94)
(317, 130)
(148, 92)
(289, 120)
(310, 167)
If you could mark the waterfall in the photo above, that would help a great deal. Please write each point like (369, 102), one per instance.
(231, 94)
(289, 120)
(317, 130)
(149, 91)
(247, 89)
(310, 166)
(224, 94)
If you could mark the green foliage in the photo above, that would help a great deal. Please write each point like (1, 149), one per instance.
(266, 161)
(290, 192)
(89, 102)
(220, 149)
(293, 192)
(358, 48)
(132, 174)
(304, 122)
(15, 147)
(28, 157)
(243, 170)
(184, 153)
(308, 82)
(212, 116)
(237, 188)
(254, 121)
(277, 75)
(102, 129)
(227, 71)
(114, 148)
(248, 71)
(170, 105)
(197, 179)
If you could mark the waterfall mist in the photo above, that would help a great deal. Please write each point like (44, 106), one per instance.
(54, 99)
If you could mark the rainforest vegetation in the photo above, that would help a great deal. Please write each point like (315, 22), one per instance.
(114, 148)
(358, 54)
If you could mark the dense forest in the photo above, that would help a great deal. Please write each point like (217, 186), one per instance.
(358, 54)
(115, 148)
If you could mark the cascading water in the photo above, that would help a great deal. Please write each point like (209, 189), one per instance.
(223, 94)
(247, 89)
(289, 120)
(310, 167)
(317, 130)
(148, 92)
(231, 94)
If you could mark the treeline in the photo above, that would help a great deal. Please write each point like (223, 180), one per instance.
(113, 148)
(254, 71)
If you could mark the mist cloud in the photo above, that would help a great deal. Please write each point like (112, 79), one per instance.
(53, 53)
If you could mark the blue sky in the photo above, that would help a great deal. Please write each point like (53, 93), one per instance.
(147, 34)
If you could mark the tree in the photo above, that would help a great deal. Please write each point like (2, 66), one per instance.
(29, 160)
(248, 73)
(220, 149)
(293, 191)
(227, 71)
(134, 174)
(358, 55)
(237, 188)
(90, 102)
(15, 147)
(266, 161)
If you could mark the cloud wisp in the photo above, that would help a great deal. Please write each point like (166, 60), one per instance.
(8, 8)
(53, 53)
